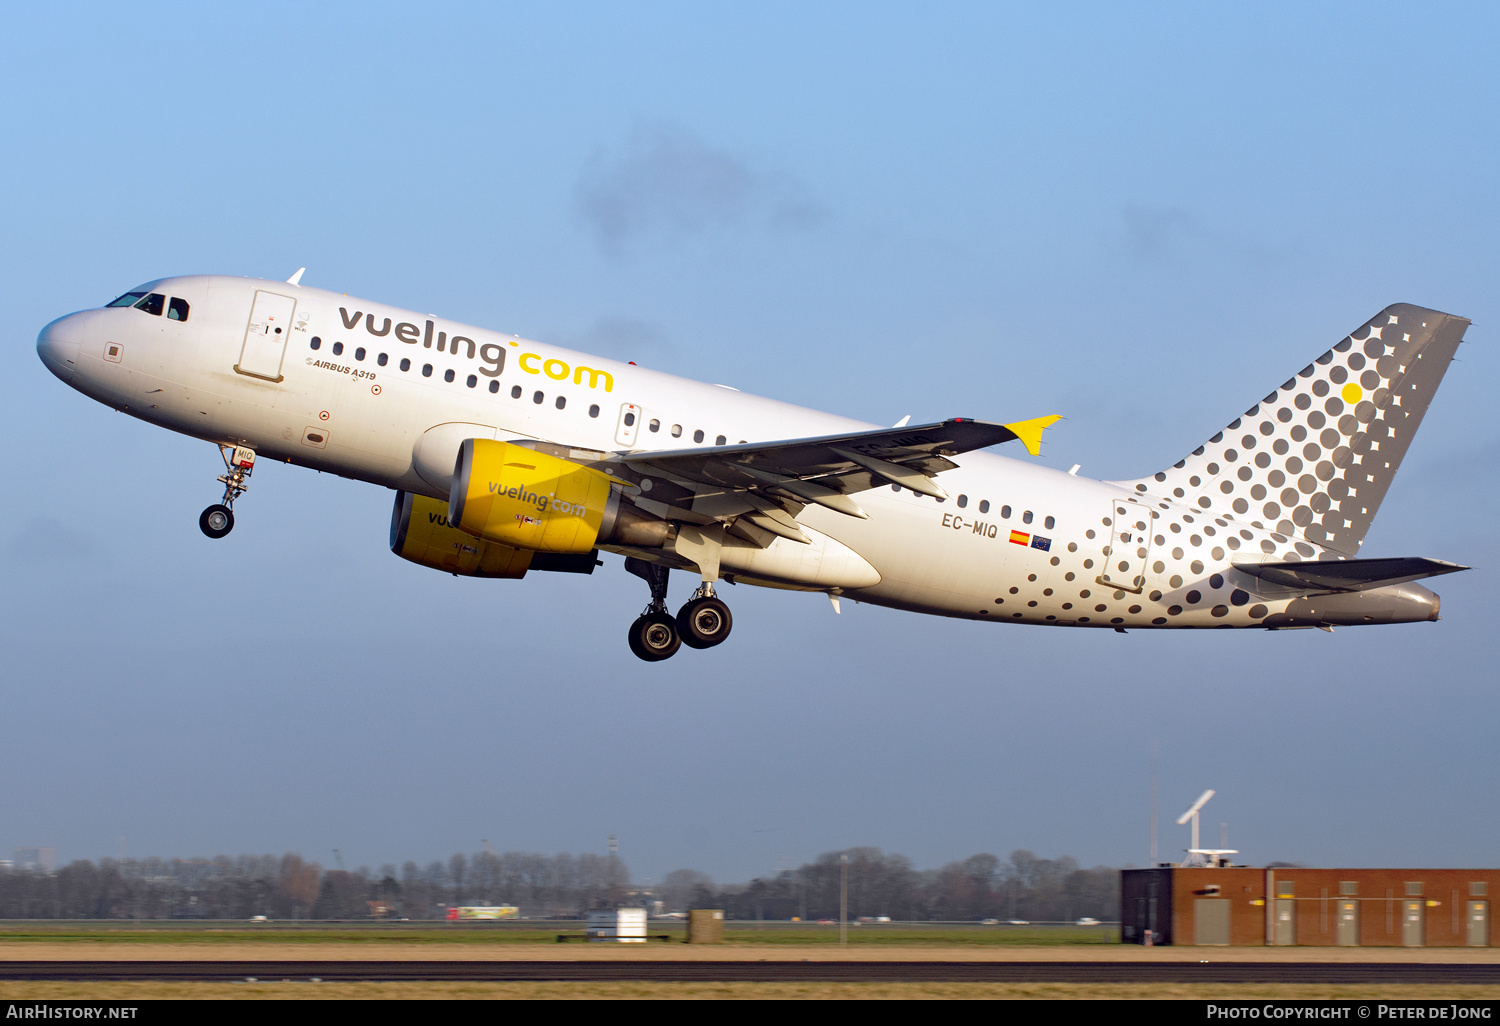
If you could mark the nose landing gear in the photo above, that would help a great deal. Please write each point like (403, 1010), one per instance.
(239, 463)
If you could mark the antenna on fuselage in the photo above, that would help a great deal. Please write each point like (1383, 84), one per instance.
(296, 279)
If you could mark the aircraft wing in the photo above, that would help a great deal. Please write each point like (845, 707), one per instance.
(1348, 574)
(770, 482)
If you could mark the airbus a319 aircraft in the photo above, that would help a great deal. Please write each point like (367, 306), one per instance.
(508, 455)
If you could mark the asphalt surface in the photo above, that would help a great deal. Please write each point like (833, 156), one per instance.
(763, 972)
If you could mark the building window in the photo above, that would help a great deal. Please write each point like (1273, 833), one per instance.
(1348, 886)
(1414, 888)
(1478, 888)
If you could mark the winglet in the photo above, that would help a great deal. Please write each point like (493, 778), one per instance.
(296, 279)
(1030, 431)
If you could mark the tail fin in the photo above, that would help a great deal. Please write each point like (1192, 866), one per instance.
(1314, 458)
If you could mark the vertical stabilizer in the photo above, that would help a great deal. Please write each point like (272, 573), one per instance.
(1313, 459)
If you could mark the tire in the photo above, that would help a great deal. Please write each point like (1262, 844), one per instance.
(654, 637)
(216, 521)
(704, 623)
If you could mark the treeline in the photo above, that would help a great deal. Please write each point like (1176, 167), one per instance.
(287, 887)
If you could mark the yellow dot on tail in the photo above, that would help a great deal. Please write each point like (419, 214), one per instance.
(1353, 393)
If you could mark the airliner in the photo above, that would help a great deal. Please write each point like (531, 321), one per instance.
(508, 455)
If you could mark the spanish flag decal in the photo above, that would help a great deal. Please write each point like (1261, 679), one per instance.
(1019, 538)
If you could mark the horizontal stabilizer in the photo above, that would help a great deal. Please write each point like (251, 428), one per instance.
(1348, 574)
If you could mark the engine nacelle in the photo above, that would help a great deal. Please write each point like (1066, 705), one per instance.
(420, 532)
(516, 496)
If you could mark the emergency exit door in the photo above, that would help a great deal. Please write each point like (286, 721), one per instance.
(1478, 916)
(1129, 545)
(1348, 922)
(266, 336)
(1412, 913)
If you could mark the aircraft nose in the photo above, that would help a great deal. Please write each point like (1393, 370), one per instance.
(57, 344)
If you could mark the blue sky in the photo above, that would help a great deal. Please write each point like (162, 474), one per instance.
(1142, 217)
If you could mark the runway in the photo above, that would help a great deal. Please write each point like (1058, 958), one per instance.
(660, 971)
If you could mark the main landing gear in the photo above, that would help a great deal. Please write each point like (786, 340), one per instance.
(239, 463)
(702, 622)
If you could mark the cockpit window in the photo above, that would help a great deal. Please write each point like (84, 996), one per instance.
(152, 304)
(128, 299)
(177, 309)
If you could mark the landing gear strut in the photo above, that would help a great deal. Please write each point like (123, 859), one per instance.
(239, 463)
(653, 635)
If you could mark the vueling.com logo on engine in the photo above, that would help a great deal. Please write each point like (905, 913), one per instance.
(542, 502)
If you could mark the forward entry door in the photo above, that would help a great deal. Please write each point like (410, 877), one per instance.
(266, 336)
(1129, 545)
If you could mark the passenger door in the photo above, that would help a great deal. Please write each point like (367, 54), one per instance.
(266, 336)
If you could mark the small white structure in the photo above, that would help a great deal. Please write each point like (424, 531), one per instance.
(624, 925)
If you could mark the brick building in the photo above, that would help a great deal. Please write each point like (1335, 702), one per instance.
(1323, 907)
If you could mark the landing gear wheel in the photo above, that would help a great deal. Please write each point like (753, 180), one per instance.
(654, 637)
(216, 521)
(704, 622)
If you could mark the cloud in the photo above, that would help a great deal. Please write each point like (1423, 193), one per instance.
(1154, 232)
(43, 542)
(623, 338)
(665, 180)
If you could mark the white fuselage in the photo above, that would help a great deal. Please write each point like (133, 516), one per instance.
(328, 391)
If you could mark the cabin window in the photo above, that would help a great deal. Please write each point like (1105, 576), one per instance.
(515, 392)
(382, 359)
(359, 354)
(152, 304)
(472, 381)
(562, 402)
(494, 386)
(1005, 512)
(128, 299)
(720, 440)
(698, 435)
(1026, 517)
(655, 425)
(177, 309)
(629, 420)
(405, 364)
(676, 430)
(963, 500)
(448, 374)
(895, 488)
(1049, 523)
(537, 398)
(316, 343)
(984, 505)
(594, 411)
(426, 370)
(338, 349)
